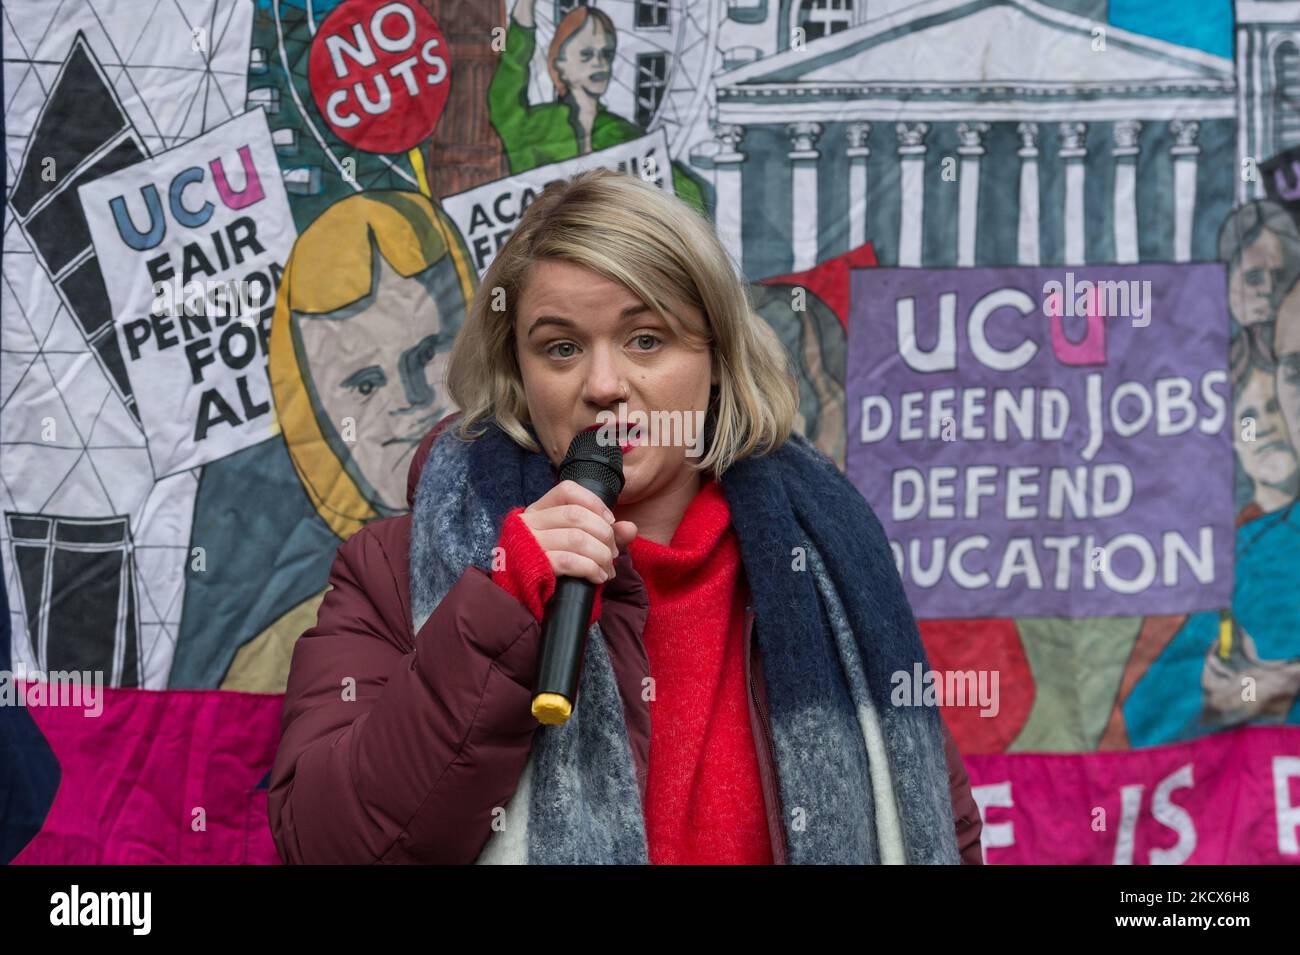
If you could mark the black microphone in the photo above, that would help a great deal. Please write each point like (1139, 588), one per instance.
(564, 624)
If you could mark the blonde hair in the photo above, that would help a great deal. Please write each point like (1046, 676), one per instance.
(666, 254)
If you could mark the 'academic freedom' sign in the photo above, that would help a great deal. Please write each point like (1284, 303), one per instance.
(1033, 457)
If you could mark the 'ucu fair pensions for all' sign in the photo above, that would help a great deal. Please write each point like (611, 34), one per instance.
(191, 245)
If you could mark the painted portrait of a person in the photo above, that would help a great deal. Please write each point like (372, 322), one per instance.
(1261, 244)
(814, 338)
(372, 296)
(580, 62)
(1243, 659)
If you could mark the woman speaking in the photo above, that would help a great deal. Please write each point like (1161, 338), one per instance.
(734, 703)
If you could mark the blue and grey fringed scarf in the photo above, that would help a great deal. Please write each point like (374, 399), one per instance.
(861, 780)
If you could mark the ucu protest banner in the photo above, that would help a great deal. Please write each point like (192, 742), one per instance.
(1046, 441)
(1225, 799)
(379, 74)
(486, 215)
(191, 245)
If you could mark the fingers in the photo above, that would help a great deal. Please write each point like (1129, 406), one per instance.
(572, 516)
(578, 532)
(571, 492)
(577, 538)
(575, 553)
(566, 563)
(624, 532)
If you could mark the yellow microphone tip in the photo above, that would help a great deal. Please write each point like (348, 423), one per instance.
(551, 708)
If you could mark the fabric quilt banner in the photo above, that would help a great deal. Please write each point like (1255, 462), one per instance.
(1036, 265)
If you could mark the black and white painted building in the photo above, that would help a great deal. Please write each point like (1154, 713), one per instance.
(1268, 86)
(974, 132)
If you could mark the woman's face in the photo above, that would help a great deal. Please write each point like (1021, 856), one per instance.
(582, 341)
(585, 59)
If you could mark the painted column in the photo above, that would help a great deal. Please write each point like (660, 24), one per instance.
(1184, 152)
(726, 183)
(911, 157)
(857, 152)
(1073, 154)
(1027, 228)
(803, 189)
(971, 137)
(1125, 151)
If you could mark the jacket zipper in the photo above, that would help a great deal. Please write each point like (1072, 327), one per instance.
(765, 725)
(762, 718)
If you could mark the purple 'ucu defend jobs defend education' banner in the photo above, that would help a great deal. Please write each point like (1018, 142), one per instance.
(1038, 443)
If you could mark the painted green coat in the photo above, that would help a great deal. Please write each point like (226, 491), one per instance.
(535, 135)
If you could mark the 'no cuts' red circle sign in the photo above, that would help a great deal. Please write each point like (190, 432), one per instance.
(380, 74)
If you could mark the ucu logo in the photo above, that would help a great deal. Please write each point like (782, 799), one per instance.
(1289, 191)
(1094, 301)
(989, 353)
(183, 209)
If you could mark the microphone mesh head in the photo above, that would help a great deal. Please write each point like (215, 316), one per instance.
(589, 459)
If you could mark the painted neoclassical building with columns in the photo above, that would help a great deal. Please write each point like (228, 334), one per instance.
(974, 132)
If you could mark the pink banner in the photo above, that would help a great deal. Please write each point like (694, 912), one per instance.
(172, 777)
(1232, 798)
(149, 777)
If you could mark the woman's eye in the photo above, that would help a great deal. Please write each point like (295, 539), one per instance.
(645, 337)
(551, 350)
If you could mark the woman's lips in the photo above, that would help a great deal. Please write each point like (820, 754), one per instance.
(625, 448)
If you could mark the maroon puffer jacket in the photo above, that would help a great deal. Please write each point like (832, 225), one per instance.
(397, 746)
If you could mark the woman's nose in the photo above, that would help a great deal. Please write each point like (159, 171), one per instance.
(604, 381)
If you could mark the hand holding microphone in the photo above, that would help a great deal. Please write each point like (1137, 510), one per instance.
(581, 540)
(573, 526)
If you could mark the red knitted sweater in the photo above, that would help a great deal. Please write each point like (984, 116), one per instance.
(704, 799)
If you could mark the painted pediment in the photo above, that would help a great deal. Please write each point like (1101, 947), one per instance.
(1017, 44)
